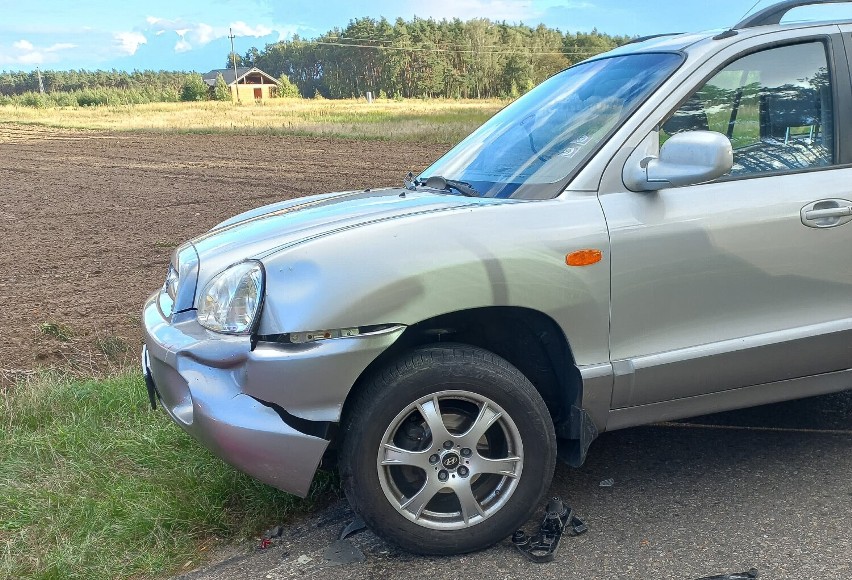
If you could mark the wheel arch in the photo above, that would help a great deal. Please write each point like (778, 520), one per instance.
(528, 339)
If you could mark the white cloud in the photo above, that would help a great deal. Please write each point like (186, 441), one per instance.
(204, 34)
(60, 46)
(194, 35)
(242, 29)
(24, 52)
(182, 45)
(129, 42)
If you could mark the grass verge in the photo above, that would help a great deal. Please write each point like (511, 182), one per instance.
(418, 120)
(93, 484)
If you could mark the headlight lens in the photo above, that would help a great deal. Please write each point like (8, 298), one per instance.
(231, 301)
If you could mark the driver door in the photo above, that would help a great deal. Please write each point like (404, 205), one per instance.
(740, 281)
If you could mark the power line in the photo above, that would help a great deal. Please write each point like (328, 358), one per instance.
(519, 50)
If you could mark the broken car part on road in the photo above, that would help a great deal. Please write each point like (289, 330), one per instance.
(542, 547)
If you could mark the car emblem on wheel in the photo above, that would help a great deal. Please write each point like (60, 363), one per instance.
(451, 461)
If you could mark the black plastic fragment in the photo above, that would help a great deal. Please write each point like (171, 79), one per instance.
(737, 576)
(559, 520)
(354, 527)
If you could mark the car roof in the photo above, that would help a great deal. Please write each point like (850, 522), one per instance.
(684, 41)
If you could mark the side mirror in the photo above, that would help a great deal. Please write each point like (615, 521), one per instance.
(685, 159)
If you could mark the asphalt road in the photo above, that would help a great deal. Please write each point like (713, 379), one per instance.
(767, 488)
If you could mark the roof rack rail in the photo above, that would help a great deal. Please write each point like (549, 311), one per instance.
(773, 14)
(650, 36)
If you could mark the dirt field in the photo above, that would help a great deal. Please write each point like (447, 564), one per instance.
(88, 221)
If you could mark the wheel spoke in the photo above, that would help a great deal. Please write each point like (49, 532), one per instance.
(507, 466)
(396, 456)
(418, 501)
(486, 417)
(469, 505)
(431, 412)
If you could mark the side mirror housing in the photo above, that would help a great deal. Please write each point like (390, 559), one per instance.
(685, 159)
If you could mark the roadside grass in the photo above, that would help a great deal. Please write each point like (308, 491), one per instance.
(434, 121)
(93, 484)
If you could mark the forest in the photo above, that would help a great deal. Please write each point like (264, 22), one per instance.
(426, 58)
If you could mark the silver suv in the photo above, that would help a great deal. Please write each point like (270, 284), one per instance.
(659, 232)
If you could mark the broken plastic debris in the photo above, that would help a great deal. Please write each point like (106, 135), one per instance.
(607, 482)
(343, 552)
(559, 520)
(354, 527)
(303, 559)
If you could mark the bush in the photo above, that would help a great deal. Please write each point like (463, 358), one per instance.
(36, 100)
(194, 89)
(64, 99)
(287, 88)
(222, 92)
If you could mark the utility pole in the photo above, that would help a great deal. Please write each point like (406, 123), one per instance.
(40, 84)
(234, 60)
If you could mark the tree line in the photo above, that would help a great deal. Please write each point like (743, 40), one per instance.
(477, 58)
(418, 58)
(55, 81)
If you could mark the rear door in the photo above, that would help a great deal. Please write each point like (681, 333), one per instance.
(746, 280)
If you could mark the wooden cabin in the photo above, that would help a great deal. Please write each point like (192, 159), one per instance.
(249, 83)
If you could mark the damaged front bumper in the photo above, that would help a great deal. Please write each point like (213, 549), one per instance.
(253, 406)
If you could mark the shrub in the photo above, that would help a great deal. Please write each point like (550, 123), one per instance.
(222, 92)
(194, 89)
(287, 88)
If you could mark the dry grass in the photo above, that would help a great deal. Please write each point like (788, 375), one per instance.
(441, 121)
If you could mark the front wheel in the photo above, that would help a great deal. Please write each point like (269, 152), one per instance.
(447, 451)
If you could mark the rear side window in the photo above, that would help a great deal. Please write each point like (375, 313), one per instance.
(774, 105)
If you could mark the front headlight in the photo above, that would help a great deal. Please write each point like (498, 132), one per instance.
(231, 301)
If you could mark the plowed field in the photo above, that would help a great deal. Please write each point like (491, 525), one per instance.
(88, 221)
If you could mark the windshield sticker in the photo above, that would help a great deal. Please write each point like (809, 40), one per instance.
(581, 140)
(569, 152)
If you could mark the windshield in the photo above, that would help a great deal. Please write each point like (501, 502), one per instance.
(529, 149)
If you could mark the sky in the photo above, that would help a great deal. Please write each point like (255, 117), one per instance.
(193, 34)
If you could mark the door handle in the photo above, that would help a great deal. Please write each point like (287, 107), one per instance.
(827, 213)
(832, 212)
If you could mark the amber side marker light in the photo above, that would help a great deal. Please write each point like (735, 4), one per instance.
(583, 257)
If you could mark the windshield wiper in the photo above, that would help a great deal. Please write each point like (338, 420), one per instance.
(442, 183)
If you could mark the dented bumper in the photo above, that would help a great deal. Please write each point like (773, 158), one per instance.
(229, 396)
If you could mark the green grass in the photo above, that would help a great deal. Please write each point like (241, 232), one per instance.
(93, 484)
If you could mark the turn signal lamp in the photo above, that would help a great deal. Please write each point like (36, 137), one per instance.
(583, 257)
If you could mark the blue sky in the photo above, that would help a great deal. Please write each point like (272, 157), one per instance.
(192, 34)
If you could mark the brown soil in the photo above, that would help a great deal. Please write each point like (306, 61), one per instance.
(89, 219)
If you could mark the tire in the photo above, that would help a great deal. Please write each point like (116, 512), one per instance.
(469, 487)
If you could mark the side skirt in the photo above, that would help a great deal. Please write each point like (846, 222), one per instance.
(730, 400)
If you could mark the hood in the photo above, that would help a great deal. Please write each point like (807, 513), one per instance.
(263, 231)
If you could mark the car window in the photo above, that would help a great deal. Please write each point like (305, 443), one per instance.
(774, 105)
